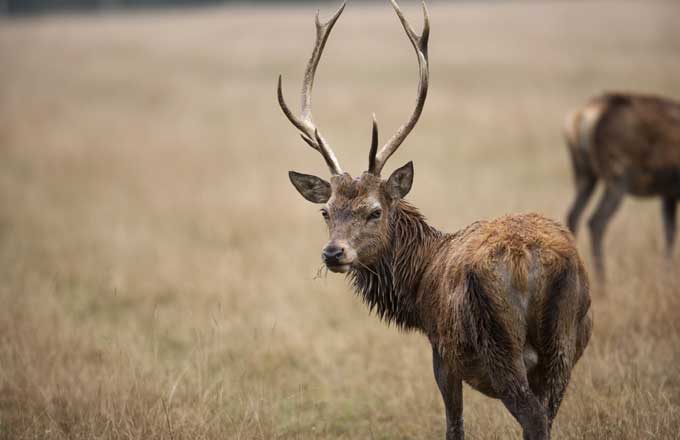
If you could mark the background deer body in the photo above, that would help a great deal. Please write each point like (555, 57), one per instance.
(631, 143)
(504, 303)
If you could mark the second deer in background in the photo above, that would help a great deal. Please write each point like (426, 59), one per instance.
(632, 143)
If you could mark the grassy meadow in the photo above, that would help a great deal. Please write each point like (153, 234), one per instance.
(159, 275)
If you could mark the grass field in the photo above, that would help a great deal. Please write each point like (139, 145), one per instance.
(158, 272)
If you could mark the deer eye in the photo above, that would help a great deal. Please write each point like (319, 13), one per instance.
(324, 213)
(375, 215)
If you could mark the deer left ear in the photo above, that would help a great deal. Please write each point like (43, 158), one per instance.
(400, 181)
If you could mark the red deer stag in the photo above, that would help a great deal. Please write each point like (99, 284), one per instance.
(504, 303)
(632, 143)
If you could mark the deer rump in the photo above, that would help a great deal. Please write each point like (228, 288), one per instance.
(506, 296)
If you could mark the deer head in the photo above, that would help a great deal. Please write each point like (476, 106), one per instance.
(356, 210)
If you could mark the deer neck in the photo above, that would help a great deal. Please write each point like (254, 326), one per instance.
(389, 286)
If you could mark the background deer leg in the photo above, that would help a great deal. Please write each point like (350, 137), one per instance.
(669, 209)
(451, 388)
(585, 182)
(609, 203)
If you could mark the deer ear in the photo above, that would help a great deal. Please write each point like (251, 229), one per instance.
(400, 181)
(312, 188)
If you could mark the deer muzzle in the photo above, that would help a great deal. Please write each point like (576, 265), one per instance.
(338, 256)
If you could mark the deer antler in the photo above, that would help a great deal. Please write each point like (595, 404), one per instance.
(310, 134)
(377, 160)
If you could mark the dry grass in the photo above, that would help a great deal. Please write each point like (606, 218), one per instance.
(157, 270)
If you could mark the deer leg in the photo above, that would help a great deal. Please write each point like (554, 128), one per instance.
(609, 203)
(526, 408)
(585, 185)
(557, 389)
(669, 209)
(562, 333)
(551, 386)
(451, 388)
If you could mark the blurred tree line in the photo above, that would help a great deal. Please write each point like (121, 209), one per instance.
(21, 7)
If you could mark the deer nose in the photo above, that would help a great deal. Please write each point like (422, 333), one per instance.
(332, 254)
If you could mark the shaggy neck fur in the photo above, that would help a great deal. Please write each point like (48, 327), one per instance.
(389, 286)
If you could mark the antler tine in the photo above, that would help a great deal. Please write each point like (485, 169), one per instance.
(420, 45)
(374, 145)
(305, 123)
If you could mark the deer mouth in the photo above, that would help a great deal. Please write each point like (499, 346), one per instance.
(339, 267)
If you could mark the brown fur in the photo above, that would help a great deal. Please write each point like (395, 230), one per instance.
(631, 143)
(504, 303)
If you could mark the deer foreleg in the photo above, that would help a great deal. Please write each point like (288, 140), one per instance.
(451, 388)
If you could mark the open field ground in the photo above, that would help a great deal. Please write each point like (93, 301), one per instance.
(158, 272)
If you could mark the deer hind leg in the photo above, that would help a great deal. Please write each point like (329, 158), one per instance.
(451, 388)
(584, 189)
(500, 349)
(554, 385)
(609, 203)
(507, 370)
(525, 407)
(585, 180)
(559, 342)
(669, 210)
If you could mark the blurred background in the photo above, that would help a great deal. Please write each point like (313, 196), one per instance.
(160, 277)
(37, 6)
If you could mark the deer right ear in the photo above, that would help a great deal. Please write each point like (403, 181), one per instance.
(312, 188)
